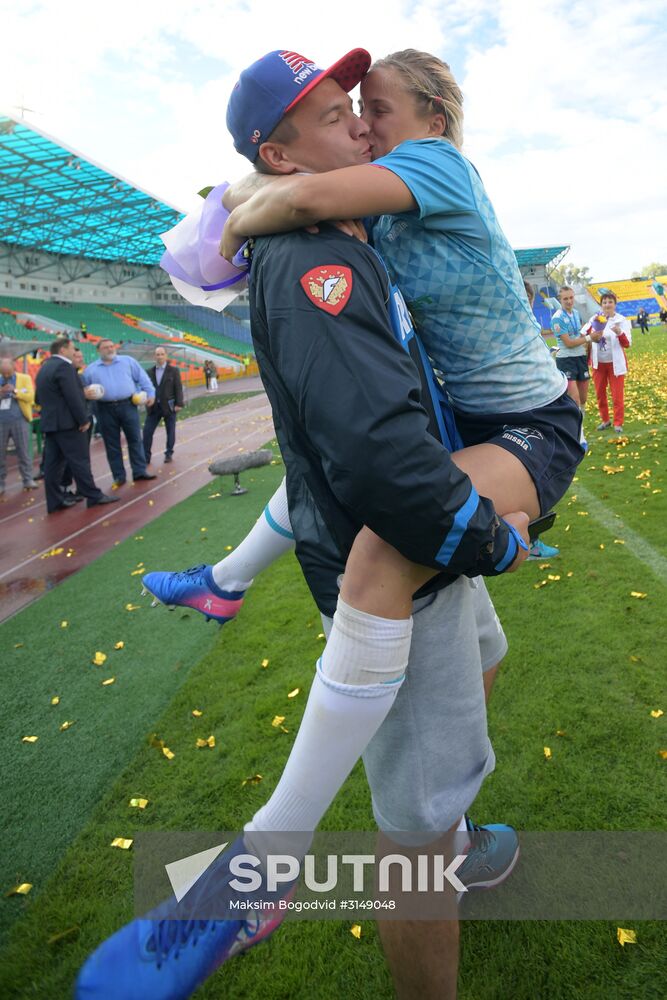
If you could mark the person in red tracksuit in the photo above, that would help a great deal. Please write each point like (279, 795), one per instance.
(609, 362)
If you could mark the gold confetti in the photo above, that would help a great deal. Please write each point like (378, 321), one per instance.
(601, 545)
(66, 725)
(619, 541)
(197, 713)
(210, 742)
(55, 700)
(265, 664)
(203, 529)
(582, 513)
(151, 503)
(635, 659)
(321, 635)
(547, 752)
(625, 936)
(132, 607)
(52, 552)
(20, 890)
(355, 931)
(294, 693)
(119, 645)
(560, 732)
(228, 548)
(638, 594)
(255, 779)
(99, 658)
(656, 713)
(542, 583)
(663, 754)
(138, 803)
(277, 721)
(137, 572)
(169, 754)
(64, 624)
(138, 538)
(109, 680)
(552, 577)
(29, 739)
(569, 574)
(18, 645)
(544, 566)
(121, 842)
(212, 496)
(567, 527)
(612, 470)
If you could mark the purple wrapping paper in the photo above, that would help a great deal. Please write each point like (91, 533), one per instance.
(192, 247)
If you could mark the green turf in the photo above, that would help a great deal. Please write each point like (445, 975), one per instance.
(50, 786)
(586, 658)
(204, 404)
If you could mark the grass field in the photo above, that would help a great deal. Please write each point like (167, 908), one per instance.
(588, 650)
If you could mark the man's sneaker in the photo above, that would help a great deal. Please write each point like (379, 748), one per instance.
(540, 550)
(603, 426)
(195, 588)
(30, 484)
(619, 430)
(159, 957)
(493, 853)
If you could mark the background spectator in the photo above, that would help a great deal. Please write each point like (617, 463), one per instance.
(65, 422)
(609, 362)
(121, 378)
(572, 353)
(168, 401)
(17, 395)
(642, 320)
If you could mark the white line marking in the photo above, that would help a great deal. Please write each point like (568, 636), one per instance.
(637, 547)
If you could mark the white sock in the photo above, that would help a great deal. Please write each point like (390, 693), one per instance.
(269, 539)
(339, 722)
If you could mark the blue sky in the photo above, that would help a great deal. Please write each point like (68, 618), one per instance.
(566, 102)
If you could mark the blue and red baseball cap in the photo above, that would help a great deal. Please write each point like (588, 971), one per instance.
(273, 85)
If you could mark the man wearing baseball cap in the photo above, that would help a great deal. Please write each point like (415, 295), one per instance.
(360, 426)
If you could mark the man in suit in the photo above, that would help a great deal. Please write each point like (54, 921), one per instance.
(168, 401)
(65, 422)
(16, 398)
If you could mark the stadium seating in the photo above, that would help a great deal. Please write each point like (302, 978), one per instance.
(632, 294)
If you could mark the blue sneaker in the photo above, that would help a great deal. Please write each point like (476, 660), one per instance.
(539, 550)
(159, 957)
(195, 588)
(493, 853)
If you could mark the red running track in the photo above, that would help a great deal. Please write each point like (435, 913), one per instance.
(27, 533)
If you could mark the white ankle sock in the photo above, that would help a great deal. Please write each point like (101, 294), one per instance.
(270, 537)
(339, 721)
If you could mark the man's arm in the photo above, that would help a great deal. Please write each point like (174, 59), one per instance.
(142, 378)
(70, 387)
(178, 389)
(358, 394)
(241, 191)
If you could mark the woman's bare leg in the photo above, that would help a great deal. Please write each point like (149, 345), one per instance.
(380, 581)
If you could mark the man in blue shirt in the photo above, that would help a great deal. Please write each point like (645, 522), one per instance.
(121, 377)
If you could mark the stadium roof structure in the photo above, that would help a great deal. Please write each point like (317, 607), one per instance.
(540, 256)
(54, 199)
